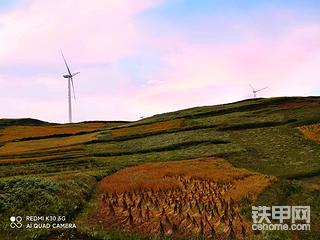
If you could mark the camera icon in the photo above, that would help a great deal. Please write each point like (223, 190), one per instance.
(16, 222)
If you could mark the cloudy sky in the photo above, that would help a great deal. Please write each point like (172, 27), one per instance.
(142, 57)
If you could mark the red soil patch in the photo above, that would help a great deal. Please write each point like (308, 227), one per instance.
(298, 104)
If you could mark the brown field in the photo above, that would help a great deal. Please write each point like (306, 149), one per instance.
(19, 132)
(150, 128)
(298, 104)
(50, 144)
(311, 131)
(182, 199)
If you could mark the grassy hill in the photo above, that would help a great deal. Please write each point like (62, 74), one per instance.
(54, 169)
(5, 122)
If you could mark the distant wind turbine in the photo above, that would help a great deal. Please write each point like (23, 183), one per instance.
(255, 91)
(69, 76)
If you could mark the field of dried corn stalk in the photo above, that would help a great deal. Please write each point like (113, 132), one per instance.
(171, 199)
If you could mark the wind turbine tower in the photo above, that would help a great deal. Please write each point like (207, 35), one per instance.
(254, 91)
(69, 76)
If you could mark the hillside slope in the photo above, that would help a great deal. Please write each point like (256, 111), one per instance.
(269, 136)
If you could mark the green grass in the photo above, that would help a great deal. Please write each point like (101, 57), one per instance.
(4, 122)
(293, 193)
(280, 151)
(36, 196)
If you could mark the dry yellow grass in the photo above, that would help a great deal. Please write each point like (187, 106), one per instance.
(249, 186)
(19, 132)
(155, 175)
(148, 128)
(311, 131)
(179, 199)
(50, 144)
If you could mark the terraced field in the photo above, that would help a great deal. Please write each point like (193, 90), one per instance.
(82, 171)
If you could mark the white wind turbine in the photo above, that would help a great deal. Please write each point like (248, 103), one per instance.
(254, 91)
(69, 76)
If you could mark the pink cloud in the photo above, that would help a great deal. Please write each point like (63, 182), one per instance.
(209, 73)
(89, 33)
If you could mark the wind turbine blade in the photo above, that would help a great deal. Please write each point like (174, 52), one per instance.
(262, 89)
(251, 87)
(74, 94)
(66, 63)
(75, 74)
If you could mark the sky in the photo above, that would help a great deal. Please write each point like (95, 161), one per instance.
(144, 57)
